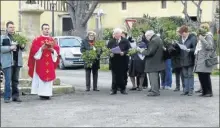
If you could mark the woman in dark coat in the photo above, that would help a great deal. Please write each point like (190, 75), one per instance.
(136, 68)
(145, 84)
(88, 44)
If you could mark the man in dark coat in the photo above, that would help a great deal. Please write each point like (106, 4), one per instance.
(154, 61)
(119, 62)
(88, 44)
(187, 59)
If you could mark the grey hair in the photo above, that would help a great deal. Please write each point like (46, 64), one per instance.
(117, 30)
(149, 33)
(91, 32)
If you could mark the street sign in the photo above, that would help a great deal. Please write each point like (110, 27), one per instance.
(130, 22)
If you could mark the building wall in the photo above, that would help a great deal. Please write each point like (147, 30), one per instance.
(114, 16)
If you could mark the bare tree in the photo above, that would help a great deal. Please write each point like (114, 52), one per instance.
(199, 11)
(80, 13)
(185, 11)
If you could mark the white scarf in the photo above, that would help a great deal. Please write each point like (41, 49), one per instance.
(198, 47)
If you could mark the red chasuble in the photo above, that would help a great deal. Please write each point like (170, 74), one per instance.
(45, 67)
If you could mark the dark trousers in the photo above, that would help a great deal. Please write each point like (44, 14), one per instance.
(179, 75)
(15, 81)
(145, 84)
(88, 77)
(205, 81)
(118, 81)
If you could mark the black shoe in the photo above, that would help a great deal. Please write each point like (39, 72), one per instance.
(198, 91)
(152, 94)
(144, 87)
(44, 97)
(208, 95)
(176, 90)
(7, 101)
(96, 90)
(132, 89)
(190, 94)
(139, 89)
(87, 90)
(17, 99)
(201, 95)
(185, 93)
(113, 93)
(124, 92)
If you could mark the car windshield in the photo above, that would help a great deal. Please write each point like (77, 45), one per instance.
(69, 42)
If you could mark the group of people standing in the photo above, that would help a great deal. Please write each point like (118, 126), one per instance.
(150, 61)
(199, 56)
(42, 62)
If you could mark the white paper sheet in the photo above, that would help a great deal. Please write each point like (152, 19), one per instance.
(183, 47)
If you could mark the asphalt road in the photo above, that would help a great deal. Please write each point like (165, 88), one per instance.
(99, 109)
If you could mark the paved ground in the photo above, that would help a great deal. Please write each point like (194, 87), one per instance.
(101, 109)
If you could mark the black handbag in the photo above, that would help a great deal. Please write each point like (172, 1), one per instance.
(211, 61)
(213, 58)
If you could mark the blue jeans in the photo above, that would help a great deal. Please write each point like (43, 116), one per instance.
(167, 74)
(188, 77)
(7, 74)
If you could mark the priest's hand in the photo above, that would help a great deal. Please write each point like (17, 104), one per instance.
(44, 47)
(51, 49)
(122, 53)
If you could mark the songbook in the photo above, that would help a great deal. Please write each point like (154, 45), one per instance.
(116, 50)
(183, 47)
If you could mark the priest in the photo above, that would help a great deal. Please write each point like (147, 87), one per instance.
(42, 62)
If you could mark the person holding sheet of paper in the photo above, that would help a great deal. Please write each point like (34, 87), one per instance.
(136, 68)
(187, 43)
(154, 63)
(118, 61)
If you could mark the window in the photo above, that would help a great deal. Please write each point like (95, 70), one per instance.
(193, 18)
(69, 42)
(124, 5)
(164, 3)
(67, 24)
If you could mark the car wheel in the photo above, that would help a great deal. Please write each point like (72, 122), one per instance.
(61, 64)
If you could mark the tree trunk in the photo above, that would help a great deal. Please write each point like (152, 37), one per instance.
(185, 12)
(80, 31)
(199, 12)
(80, 13)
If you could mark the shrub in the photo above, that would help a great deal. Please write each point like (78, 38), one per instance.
(107, 33)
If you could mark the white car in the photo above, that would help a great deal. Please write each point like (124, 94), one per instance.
(70, 55)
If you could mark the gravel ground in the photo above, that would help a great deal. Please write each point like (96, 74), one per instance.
(99, 109)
